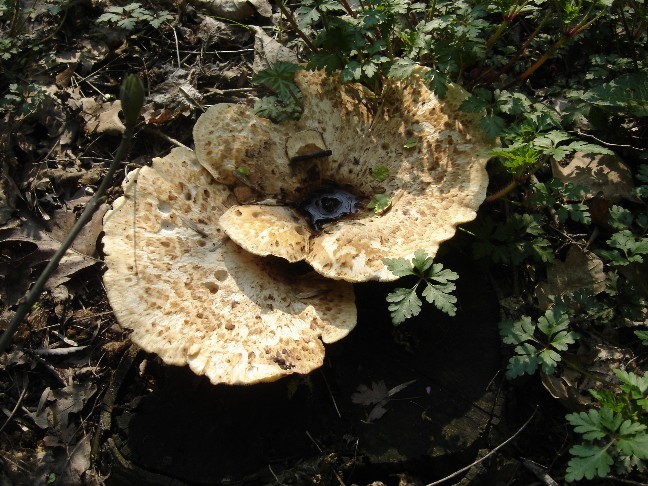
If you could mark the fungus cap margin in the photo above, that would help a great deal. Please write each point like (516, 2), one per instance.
(434, 186)
(193, 297)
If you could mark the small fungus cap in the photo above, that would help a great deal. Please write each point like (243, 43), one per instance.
(433, 155)
(193, 297)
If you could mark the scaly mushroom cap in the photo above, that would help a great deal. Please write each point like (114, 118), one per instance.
(434, 186)
(193, 296)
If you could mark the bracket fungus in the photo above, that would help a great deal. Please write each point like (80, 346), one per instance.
(193, 297)
(346, 133)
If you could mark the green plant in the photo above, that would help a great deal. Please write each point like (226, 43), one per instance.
(538, 344)
(439, 285)
(510, 242)
(287, 104)
(132, 14)
(615, 434)
(555, 196)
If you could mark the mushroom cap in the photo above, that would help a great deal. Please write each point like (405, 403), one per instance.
(434, 186)
(194, 297)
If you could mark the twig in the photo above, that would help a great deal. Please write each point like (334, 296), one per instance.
(464, 469)
(331, 394)
(603, 142)
(15, 409)
(291, 20)
(314, 442)
(30, 299)
(175, 37)
(164, 136)
(108, 402)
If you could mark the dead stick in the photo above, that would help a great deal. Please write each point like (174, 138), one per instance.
(33, 295)
(464, 469)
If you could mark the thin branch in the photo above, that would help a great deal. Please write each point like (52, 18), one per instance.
(293, 23)
(481, 459)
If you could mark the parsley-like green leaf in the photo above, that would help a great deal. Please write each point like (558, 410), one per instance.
(280, 78)
(438, 291)
(588, 461)
(404, 303)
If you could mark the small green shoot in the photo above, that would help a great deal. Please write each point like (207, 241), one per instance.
(405, 303)
(411, 143)
(379, 203)
(242, 171)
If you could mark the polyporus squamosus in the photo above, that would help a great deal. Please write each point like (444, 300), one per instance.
(193, 296)
(434, 186)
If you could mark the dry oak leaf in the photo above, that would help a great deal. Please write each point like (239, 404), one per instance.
(580, 270)
(194, 297)
(597, 173)
(433, 186)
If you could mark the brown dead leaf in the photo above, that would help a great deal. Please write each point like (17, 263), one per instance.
(268, 51)
(370, 395)
(580, 270)
(378, 396)
(597, 173)
(597, 359)
(33, 246)
(236, 9)
(102, 117)
(174, 97)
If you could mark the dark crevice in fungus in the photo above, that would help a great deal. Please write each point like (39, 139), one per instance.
(328, 204)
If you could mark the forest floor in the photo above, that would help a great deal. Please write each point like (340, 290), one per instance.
(82, 405)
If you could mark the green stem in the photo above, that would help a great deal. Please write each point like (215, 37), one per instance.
(494, 75)
(536, 65)
(58, 27)
(500, 30)
(14, 19)
(293, 23)
(34, 293)
(508, 18)
(502, 192)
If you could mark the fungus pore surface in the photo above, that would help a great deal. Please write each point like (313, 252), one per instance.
(345, 135)
(194, 297)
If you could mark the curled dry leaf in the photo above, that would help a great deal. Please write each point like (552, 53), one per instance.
(268, 51)
(102, 117)
(236, 9)
(35, 246)
(172, 98)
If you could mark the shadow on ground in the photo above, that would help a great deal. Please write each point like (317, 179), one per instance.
(172, 427)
